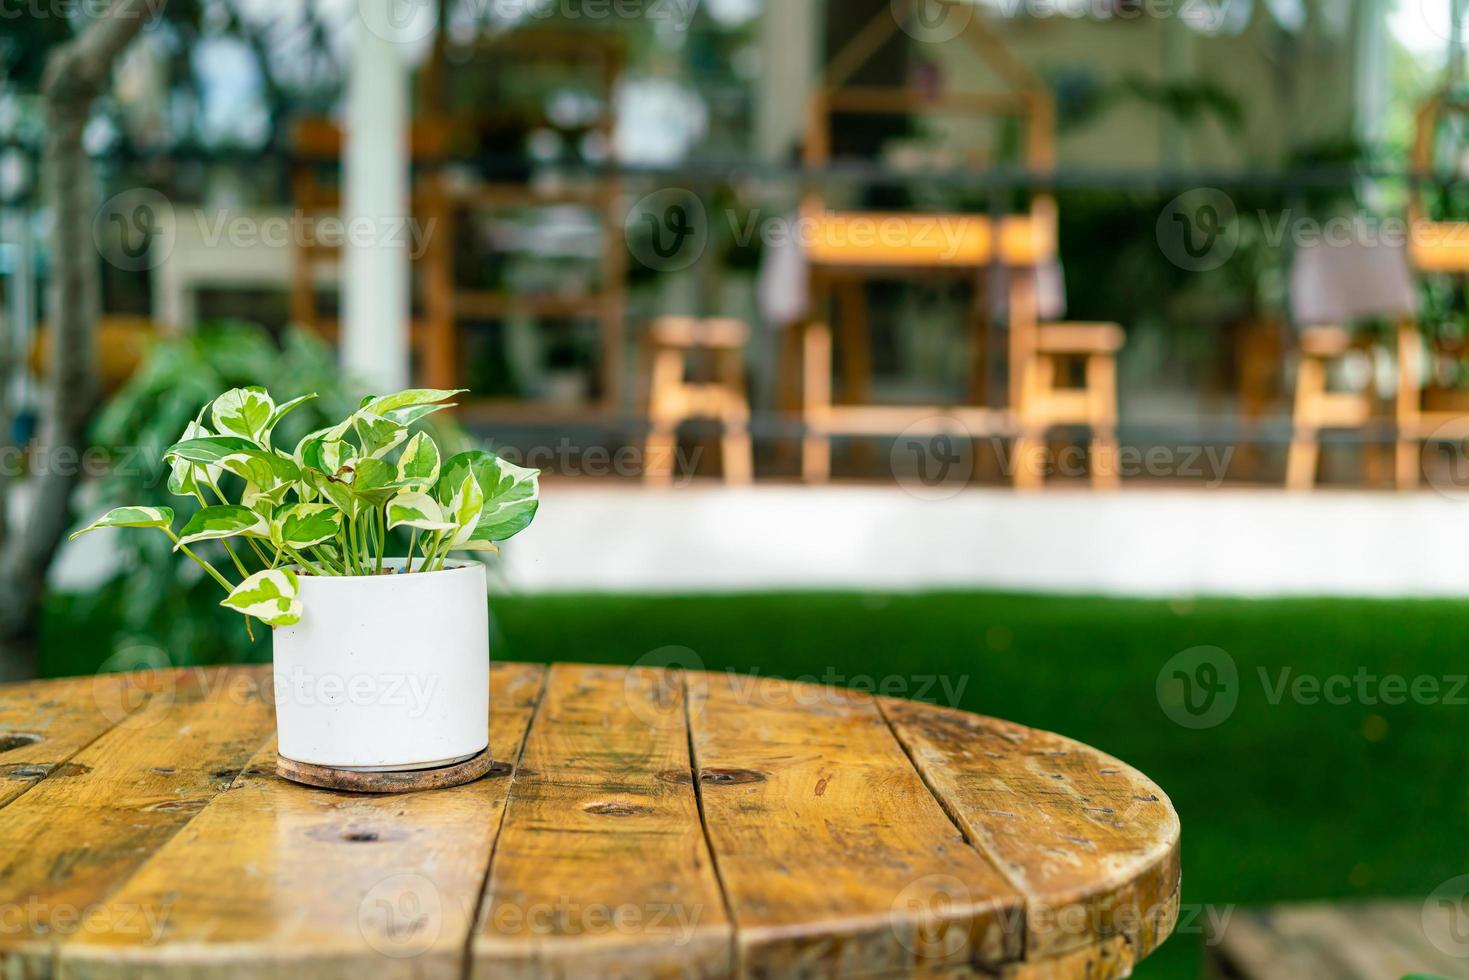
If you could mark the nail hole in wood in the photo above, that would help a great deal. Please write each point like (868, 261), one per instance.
(360, 837)
(723, 777)
(17, 740)
(23, 772)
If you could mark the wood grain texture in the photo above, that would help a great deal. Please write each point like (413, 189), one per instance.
(662, 824)
(43, 725)
(834, 856)
(602, 867)
(1091, 842)
(1349, 941)
(79, 833)
(275, 878)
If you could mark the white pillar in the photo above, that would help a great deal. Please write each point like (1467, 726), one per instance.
(375, 273)
(790, 49)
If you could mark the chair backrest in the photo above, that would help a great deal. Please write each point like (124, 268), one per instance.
(1343, 283)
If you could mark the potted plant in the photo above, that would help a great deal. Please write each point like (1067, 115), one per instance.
(381, 659)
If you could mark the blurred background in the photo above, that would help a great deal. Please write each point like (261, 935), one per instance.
(1102, 365)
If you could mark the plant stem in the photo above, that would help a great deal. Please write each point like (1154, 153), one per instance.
(304, 563)
(412, 543)
(382, 537)
(214, 572)
(327, 562)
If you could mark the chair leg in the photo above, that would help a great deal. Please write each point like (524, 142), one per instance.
(738, 456)
(1407, 462)
(816, 403)
(1305, 446)
(658, 454)
(1101, 386)
(1030, 461)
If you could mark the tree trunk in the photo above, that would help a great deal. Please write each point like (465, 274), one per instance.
(76, 74)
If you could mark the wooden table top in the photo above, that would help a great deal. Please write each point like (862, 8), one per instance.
(645, 822)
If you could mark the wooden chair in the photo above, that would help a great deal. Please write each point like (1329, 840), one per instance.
(840, 258)
(1334, 287)
(1316, 407)
(673, 399)
(1434, 248)
(1044, 404)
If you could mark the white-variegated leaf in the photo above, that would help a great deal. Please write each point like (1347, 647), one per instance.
(379, 435)
(282, 411)
(264, 500)
(131, 517)
(418, 467)
(417, 510)
(213, 523)
(464, 508)
(412, 398)
(270, 596)
(512, 496)
(183, 476)
(305, 525)
(243, 412)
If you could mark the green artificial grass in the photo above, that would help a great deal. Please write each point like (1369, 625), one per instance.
(1280, 802)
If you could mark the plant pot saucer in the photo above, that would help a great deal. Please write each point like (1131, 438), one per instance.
(398, 781)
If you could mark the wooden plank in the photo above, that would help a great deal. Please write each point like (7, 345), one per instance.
(77, 835)
(44, 724)
(834, 856)
(602, 867)
(1366, 940)
(279, 879)
(1091, 842)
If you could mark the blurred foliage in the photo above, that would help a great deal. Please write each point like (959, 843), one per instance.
(164, 601)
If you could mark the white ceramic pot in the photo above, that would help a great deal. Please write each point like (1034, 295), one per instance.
(386, 672)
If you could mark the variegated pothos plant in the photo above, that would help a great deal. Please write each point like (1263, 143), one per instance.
(326, 508)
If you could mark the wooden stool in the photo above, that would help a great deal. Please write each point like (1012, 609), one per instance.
(1042, 405)
(673, 400)
(1317, 408)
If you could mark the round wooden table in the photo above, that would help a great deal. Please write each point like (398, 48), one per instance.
(642, 822)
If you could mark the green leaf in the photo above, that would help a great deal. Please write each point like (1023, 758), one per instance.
(374, 480)
(244, 412)
(417, 510)
(379, 435)
(512, 493)
(264, 501)
(512, 497)
(210, 450)
(283, 410)
(213, 523)
(305, 525)
(183, 478)
(131, 517)
(270, 596)
(464, 508)
(238, 456)
(412, 398)
(415, 413)
(418, 467)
